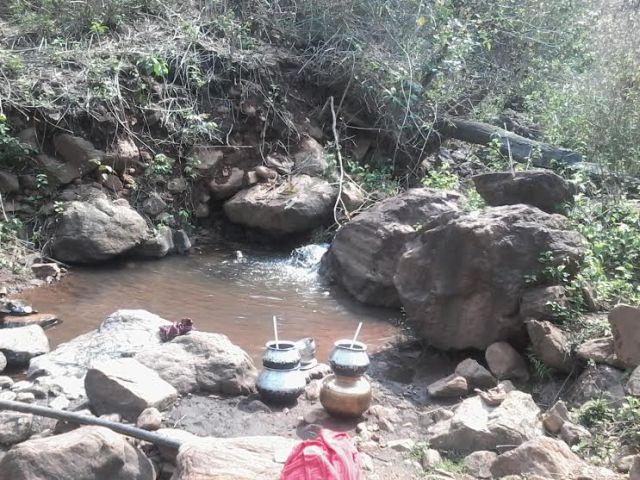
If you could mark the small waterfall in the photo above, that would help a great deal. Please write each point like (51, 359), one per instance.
(308, 256)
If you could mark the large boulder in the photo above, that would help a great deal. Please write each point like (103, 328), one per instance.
(126, 387)
(546, 457)
(19, 345)
(461, 282)
(96, 230)
(478, 426)
(364, 254)
(539, 188)
(243, 458)
(297, 205)
(201, 361)
(88, 453)
(122, 334)
(625, 326)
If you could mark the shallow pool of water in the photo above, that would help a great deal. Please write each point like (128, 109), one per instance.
(221, 293)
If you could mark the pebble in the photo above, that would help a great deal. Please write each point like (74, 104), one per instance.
(430, 458)
(8, 395)
(60, 403)
(150, 419)
(5, 382)
(312, 391)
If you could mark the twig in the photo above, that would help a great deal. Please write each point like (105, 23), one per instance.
(339, 157)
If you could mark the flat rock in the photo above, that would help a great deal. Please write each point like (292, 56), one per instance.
(243, 458)
(546, 458)
(540, 188)
(201, 361)
(122, 334)
(506, 363)
(386, 229)
(478, 426)
(20, 345)
(449, 387)
(625, 326)
(87, 453)
(126, 387)
(599, 350)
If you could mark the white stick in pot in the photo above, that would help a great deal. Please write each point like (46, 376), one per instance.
(275, 331)
(356, 335)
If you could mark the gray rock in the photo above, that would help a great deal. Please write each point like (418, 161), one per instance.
(122, 334)
(87, 453)
(477, 376)
(25, 397)
(462, 282)
(8, 395)
(541, 303)
(45, 270)
(97, 230)
(386, 229)
(78, 153)
(479, 463)
(149, 419)
(126, 387)
(550, 345)
(181, 242)
(223, 187)
(177, 185)
(539, 188)
(600, 381)
(599, 350)
(58, 173)
(430, 458)
(449, 387)
(625, 326)
(15, 427)
(9, 182)
(634, 473)
(201, 361)
(156, 246)
(154, 205)
(546, 457)
(506, 363)
(478, 426)
(573, 434)
(5, 382)
(310, 159)
(19, 345)
(401, 445)
(3, 363)
(555, 417)
(297, 205)
(633, 385)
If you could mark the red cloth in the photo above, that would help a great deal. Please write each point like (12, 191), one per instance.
(329, 456)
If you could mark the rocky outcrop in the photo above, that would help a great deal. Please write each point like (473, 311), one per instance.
(297, 205)
(461, 283)
(546, 457)
(19, 345)
(243, 458)
(88, 453)
(550, 345)
(200, 361)
(126, 387)
(478, 426)
(625, 326)
(96, 230)
(385, 230)
(539, 188)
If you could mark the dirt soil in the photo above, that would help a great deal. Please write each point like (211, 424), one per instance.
(399, 377)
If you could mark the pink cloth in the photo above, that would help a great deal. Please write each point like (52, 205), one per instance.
(329, 456)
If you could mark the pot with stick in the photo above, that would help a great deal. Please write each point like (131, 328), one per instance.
(347, 393)
(281, 381)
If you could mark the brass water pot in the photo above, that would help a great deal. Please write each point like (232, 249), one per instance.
(345, 396)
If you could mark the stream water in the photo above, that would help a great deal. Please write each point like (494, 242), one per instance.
(222, 292)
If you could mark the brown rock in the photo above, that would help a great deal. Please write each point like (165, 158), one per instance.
(550, 345)
(625, 326)
(573, 434)
(599, 350)
(479, 463)
(555, 417)
(448, 387)
(149, 419)
(506, 363)
(43, 319)
(538, 303)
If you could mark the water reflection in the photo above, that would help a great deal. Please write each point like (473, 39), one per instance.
(222, 293)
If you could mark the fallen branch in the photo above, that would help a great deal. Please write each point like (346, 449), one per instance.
(128, 430)
(339, 156)
(522, 149)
